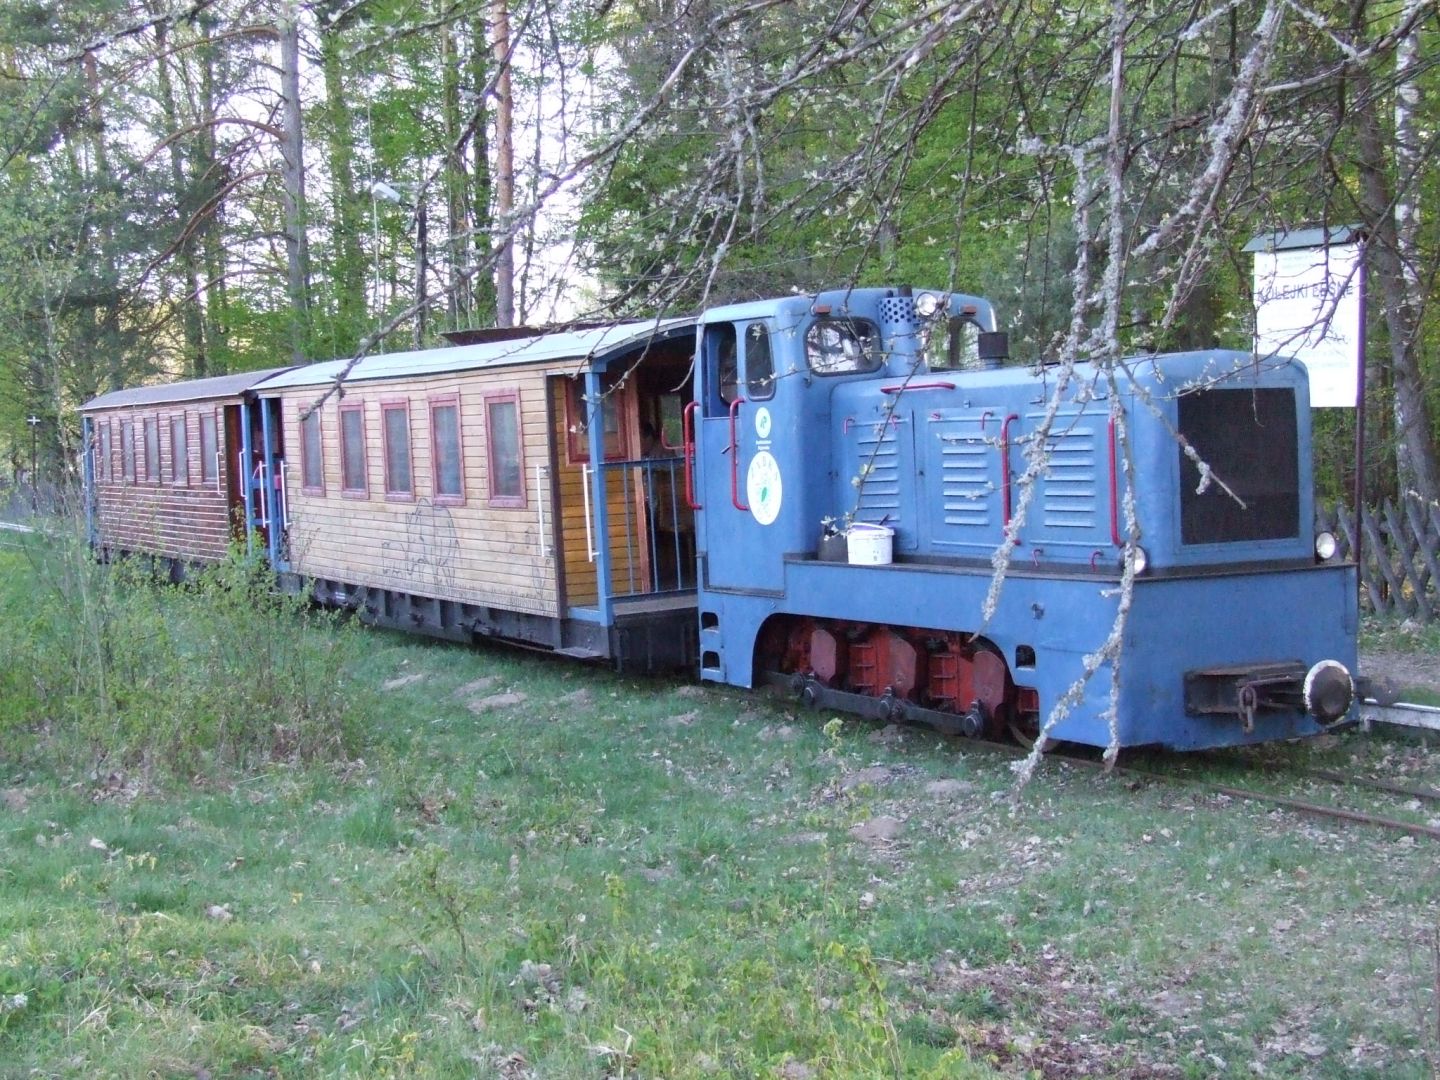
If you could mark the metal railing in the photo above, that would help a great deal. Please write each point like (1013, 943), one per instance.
(652, 545)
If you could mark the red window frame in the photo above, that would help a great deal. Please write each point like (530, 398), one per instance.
(440, 401)
(182, 454)
(400, 405)
(345, 490)
(519, 499)
(306, 487)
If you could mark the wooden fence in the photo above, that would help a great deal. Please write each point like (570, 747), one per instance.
(1400, 575)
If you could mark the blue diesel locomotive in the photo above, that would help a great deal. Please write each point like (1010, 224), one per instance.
(1112, 556)
(1238, 625)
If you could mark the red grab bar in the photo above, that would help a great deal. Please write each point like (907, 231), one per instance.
(1005, 468)
(687, 439)
(1114, 492)
(735, 456)
(917, 386)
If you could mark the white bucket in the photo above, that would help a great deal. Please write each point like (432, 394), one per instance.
(870, 545)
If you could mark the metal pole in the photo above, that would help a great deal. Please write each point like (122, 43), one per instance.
(34, 422)
(1360, 429)
(420, 244)
(504, 166)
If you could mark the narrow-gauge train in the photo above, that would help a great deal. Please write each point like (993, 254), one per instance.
(658, 495)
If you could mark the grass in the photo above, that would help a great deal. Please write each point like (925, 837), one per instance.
(1409, 652)
(642, 878)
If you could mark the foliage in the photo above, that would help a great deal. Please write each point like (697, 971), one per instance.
(111, 667)
(674, 154)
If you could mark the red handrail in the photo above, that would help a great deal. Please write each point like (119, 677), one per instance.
(687, 440)
(735, 456)
(1005, 468)
(1114, 492)
(917, 386)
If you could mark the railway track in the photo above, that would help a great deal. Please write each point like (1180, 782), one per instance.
(1307, 807)
(1404, 715)
(1417, 716)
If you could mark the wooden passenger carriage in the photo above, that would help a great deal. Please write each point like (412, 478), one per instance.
(527, 488)
(164, 465)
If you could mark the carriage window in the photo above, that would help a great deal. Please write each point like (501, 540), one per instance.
(507, 469)
(842, 346)
(759, 364)
(446, 458)
(209, 450)
(396, 429)
(127, 450)
(179, 451)
(152, 448)
(577, 412)
(665, 413)
(104, 470)
(354, 477)
(312, 459)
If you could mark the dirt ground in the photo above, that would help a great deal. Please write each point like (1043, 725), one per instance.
(1402, 670)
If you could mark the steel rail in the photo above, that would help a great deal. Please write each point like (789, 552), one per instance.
(1248, 795)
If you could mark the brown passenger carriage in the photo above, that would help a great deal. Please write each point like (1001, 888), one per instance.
(529, 488)
(165, 468)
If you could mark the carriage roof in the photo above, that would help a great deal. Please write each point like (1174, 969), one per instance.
(583, 347)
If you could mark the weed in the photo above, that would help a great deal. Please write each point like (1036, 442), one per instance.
(112, 670)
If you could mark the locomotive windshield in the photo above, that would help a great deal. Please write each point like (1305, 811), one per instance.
(842, 346)
(1248, 439)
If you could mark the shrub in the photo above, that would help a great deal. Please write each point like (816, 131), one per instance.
(111, 666)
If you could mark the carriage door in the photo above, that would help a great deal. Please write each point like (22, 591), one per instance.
(276, 482)
(739, 446)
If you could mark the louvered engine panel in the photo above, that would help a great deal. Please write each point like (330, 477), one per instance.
(962, 495)
(877, 468)
(967, 469)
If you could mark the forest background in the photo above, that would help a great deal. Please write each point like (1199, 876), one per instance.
(221, 185)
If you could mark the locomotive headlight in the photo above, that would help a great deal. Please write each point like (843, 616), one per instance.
(1326, 546)
(1141, 560)
(927, 305)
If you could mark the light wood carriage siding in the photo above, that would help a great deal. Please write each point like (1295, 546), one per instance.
(629, 555)
(473, 553)
(187, 522)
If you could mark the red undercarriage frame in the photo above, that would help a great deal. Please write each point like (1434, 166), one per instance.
(944, 670)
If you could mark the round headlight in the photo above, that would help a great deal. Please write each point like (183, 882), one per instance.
(1326, 546)
(927, 304)
(1142, 560)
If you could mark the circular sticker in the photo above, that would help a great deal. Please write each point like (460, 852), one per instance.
(762, 487)
(762, 423)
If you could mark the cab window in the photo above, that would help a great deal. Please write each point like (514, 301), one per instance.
(759, 364)
(954, 346)
(842, 346)
(722, 367)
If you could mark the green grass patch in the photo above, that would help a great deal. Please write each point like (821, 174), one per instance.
(612, 877)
